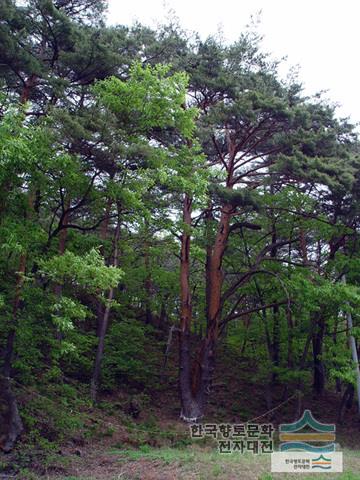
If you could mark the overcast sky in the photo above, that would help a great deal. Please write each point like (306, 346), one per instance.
(321, 36)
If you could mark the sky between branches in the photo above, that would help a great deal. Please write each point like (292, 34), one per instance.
(321, 36)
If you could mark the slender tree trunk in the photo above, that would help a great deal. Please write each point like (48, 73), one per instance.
(318, 332)
(163, 317)
(303, 247)
(105, 321)
(61, 250)
(147, 283)
(319, 372)
(208, 219)
(104, 230)
(247, 324)
(290, 325)
(304, 356)
(346, 401)
(276, 343)
(264, 317)
(14, 425)
(167, 351)
(354, 352)
(13, 419)
(191, 405)
(337, 379)
(276, 317)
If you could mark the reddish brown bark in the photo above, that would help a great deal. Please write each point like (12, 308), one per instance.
(194, 385)
(208, 219)
(28, 86)
(204, 365)
(185, 293)
(215, 272)
(192, 382)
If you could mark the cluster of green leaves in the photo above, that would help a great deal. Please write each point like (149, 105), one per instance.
(116, 125)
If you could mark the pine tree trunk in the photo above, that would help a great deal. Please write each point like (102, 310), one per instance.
(208, 218)
(205, 361)
(215, 272)
(28, 86)
(191, 407)
(194, 386)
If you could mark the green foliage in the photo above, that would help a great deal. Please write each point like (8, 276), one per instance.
(149, 99)
(130, 358)
(115, 126)
(88, 272)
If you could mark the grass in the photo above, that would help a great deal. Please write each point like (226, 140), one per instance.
(200, 464)
(166, 455)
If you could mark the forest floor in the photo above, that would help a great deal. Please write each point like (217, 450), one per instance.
(190, 463)
(156, 445)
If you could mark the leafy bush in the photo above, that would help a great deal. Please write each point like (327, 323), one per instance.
(130, 357)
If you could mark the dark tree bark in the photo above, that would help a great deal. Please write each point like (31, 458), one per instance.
(346, 402)
(105, 319)
(276, 317)
(208, 219)
(12, 420)
(148, 284)
(61, 250)
(191, 402)
(319, 371)
(104, 231)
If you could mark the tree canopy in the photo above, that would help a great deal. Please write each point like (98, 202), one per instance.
(152, 182)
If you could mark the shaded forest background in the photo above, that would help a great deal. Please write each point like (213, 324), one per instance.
(169, 207)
